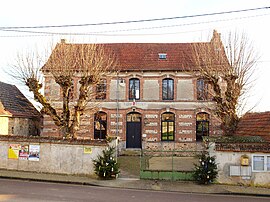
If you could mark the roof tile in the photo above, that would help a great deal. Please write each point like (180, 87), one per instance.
(15, 102)
(255, 124)
(144, 56)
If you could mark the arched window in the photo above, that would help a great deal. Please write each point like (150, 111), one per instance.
(134, 117)
(167, 89)
(202, 125)
(134, 89)
(100, 125)
(202, 89)
(167, 126)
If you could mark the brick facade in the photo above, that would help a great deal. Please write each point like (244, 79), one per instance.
(151, 110)
(139, 63)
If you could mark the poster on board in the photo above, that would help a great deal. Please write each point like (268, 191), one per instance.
(24, 152)
(34, 150)
(13, 151)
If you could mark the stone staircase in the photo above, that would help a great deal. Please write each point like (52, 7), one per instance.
(130, 152)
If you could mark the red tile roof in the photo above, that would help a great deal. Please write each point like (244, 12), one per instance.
(145, 56)
(255, 124)
(142, 56)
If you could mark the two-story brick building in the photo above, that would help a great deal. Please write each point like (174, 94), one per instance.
(154, 99)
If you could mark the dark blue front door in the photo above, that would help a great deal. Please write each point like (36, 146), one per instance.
(133, 138)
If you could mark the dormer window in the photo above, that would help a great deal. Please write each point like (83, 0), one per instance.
(162, 56)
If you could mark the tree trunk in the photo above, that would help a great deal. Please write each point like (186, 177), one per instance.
(34, 86)
(81, 104)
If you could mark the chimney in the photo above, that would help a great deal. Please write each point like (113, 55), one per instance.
(63, 40)
(216, 37)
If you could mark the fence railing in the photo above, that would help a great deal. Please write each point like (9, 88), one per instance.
(168, 165)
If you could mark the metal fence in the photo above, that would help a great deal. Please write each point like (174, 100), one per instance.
(168, 165)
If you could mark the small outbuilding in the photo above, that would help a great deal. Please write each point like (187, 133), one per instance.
(18, 116)
(245, 157)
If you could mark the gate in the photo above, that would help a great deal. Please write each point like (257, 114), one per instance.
(168, 165)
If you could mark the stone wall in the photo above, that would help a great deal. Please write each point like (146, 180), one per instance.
(19, 126)
(190, 149)
(24, 126)
(61, 157)
(230, 170)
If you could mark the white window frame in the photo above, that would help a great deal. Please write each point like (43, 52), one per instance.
(266, 161)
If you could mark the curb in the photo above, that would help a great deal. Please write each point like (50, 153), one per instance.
(226, 192)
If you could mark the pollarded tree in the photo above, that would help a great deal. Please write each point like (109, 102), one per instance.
(228, 71)
(87, 62)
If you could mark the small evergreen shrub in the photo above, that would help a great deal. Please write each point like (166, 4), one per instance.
(206, 171)
(106, 166)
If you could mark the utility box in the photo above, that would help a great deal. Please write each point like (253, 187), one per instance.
(243, 171)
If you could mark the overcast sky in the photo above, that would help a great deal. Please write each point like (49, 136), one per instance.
(33, 13)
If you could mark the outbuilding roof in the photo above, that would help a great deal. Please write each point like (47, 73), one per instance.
(255, 124)
(15, 103)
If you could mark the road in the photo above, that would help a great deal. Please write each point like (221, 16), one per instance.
(22, 191)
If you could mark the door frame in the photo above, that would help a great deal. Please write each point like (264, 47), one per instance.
(137, 143)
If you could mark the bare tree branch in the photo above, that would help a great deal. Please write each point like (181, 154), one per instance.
(88, 63)
(228, 72)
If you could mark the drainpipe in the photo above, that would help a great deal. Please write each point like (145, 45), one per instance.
(117, 114)
(117, 105)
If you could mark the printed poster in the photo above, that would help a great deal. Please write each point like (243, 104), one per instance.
(24, 152)
(13, 151)
(34, 150)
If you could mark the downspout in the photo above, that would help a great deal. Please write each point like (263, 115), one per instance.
(117, 116)
(117, 105)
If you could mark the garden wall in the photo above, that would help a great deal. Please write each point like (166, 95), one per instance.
(242, 163)
(50, 155)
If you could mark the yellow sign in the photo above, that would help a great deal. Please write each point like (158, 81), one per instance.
(87, 150)
(13, 151)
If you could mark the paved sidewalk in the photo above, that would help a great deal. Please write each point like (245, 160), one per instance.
(134, 183)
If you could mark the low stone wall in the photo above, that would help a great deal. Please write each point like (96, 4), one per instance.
(243, 147)
(172, 148)
(49, 155)
(231, 170)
